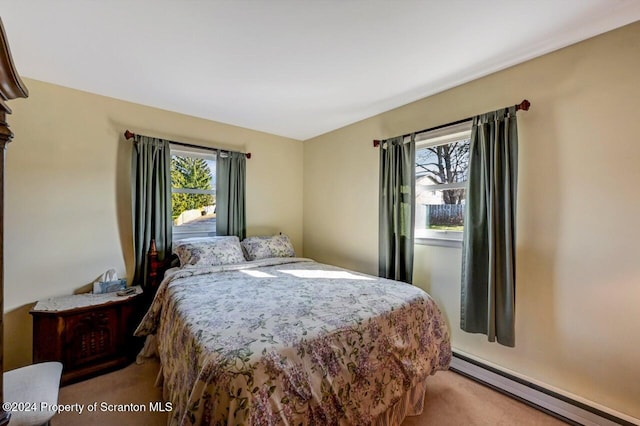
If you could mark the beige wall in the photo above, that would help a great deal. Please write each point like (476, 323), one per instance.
(578, 262)
(68, 195)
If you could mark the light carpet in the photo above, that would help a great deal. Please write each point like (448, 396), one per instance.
(451, 400)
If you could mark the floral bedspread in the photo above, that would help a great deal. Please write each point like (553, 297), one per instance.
(291, 341)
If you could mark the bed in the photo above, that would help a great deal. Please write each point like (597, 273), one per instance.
(284, 340)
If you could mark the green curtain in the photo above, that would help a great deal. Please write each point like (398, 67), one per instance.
(488, 250)
(230, 194)
(151, 201)
(397, 217)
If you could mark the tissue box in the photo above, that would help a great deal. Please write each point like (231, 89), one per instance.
(109, 286)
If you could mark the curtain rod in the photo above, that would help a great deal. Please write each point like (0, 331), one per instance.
(524, 106)
(129, 135)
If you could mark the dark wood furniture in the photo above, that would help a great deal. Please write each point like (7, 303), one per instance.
(88, 340)
(157, 268)
(11, 87)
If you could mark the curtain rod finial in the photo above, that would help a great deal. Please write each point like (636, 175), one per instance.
(376, 143)
(128, 134)
(524, 105)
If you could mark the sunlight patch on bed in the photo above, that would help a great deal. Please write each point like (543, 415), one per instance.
(316, 273)
(258, 274)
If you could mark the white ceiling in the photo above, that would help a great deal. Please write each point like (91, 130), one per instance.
(296, 68)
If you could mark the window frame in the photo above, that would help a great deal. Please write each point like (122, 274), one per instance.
(437, 137)
(205, 154)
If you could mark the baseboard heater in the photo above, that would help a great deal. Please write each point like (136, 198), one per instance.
(557, 405)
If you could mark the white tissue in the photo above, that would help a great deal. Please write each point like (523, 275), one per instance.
(109, 275)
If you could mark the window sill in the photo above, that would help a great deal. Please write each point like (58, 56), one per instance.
(438, 242)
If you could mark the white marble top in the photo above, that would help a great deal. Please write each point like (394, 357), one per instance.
(72, 301)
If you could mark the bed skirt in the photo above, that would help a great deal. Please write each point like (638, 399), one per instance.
(411, 404)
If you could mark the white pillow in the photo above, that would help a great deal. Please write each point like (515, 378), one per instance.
(263, 247)
(210, 251)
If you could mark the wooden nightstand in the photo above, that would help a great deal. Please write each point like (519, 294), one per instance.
(89, 333)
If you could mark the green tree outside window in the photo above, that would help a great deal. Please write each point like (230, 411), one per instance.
(190, 173)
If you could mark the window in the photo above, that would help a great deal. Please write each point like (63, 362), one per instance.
(193, 192)
(442, 159)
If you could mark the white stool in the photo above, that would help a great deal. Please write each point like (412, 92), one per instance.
(36, 384)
